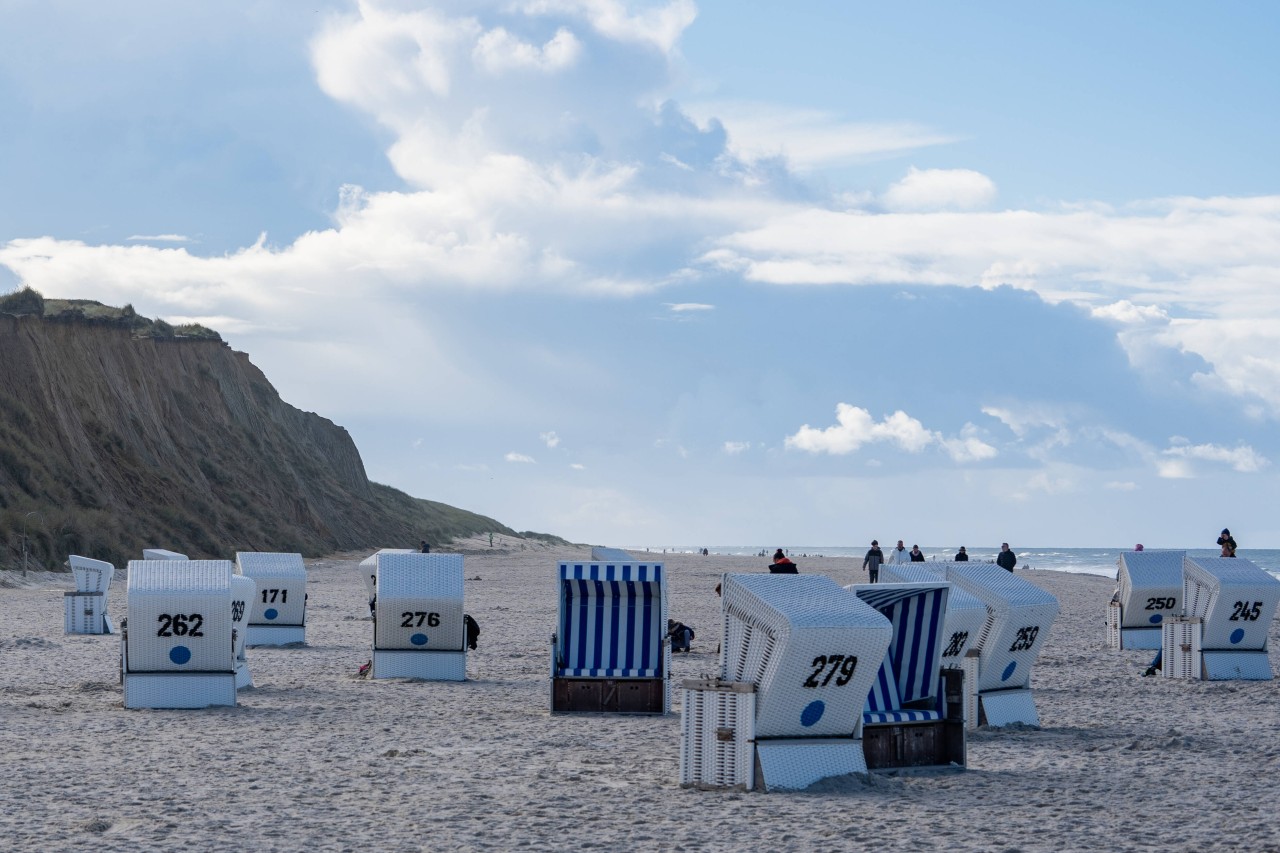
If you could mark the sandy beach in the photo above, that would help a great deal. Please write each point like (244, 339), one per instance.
(317, 758)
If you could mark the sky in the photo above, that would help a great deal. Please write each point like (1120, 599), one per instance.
(700, 273)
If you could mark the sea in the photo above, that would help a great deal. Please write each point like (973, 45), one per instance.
(1087, 561)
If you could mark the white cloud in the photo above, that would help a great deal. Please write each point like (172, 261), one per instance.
(855, 427)
(550, 439)
(682, 307)
(733, 448)
(659, 27)
(498, 51)
(1125, 312)
(519, 457)
(158, 238)
(940, 189)
(1241, 458)
(577, 466)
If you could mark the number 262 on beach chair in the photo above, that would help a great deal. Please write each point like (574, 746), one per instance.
(609, 652)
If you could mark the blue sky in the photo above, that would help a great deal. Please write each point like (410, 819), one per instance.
(700, 273)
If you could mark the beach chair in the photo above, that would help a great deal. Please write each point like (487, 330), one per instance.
(1228, 606)
(419, 629)
(1150, 592)
(610, 652)
(966, 616)
(178, 648)
(369, 571)
(161, 554)
(914, 715)
(810, 651)
(1019, 617)
(278, 616)
(85, 609)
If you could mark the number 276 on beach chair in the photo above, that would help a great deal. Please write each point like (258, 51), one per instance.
(609, 652)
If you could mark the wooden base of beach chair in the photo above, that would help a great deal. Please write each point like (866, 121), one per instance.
(793, 764)
(276, 635)
(179, 689)
(608, 696)
(937, 743)
(426, 665)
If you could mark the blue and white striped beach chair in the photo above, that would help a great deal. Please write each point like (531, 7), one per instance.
(609, 652)
(914, 713)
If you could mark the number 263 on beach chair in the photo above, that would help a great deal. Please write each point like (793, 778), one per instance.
(610, 651)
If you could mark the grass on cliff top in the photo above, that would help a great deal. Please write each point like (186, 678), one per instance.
(29, 302)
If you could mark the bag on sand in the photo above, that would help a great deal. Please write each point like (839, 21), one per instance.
(473, 630)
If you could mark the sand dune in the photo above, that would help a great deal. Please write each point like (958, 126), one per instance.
(316, 758)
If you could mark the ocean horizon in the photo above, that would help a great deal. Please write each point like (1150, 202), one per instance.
(1088, 561)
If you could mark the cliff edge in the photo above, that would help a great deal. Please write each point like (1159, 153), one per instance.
(119, 433)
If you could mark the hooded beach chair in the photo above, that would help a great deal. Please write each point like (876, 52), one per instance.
(1229, 604)
(278, 616)
(161, 554)
(1150, 592)
(419, 628)
(369, 571)
(178, 648)
(809, 651)
(1019, 616)
(85, 610)
(243, 592)
(914, 715)
(610, 651)
(966, 616)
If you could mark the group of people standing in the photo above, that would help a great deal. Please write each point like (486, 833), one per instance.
(899, 554)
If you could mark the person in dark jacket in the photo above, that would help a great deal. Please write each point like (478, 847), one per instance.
(917, 556)
(1006, 559)
(872, 561)
(1228, 543)
(962, 556)
(782, 565)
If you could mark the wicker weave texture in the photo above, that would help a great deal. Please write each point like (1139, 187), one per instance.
(281, 597)
(369, 568)
(717, 745)
(1150, 587)
(180, 616)
(1019, 618)
(793, 636)
(91, 575)
(161, 554)
(420, 602)
(1236, 599)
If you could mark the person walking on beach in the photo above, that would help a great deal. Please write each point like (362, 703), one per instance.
(1228, 543)
(917, 556)
(899, 554)
(962, 556)
(872, 561)
(1006, 559)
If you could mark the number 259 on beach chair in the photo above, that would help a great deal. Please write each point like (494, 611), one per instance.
(609, 652)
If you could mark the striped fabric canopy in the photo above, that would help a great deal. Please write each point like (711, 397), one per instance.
(611, 620)
(910, 668)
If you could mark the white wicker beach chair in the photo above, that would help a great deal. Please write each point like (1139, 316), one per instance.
(178, 649)
(85, 610)
(1150, 593)
(914, 715)
(278, 616)
(610, 652)
(1019, 617)
(1229, 604)
(418, 629)
(369, 571)
(812, 651)
(161, 554)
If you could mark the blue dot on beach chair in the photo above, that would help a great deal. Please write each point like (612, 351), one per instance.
(418, 639)
(180, 655)
(1157, 619)
(271, 613)
(1008, 670)
(812, 713)
(1236, 636)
